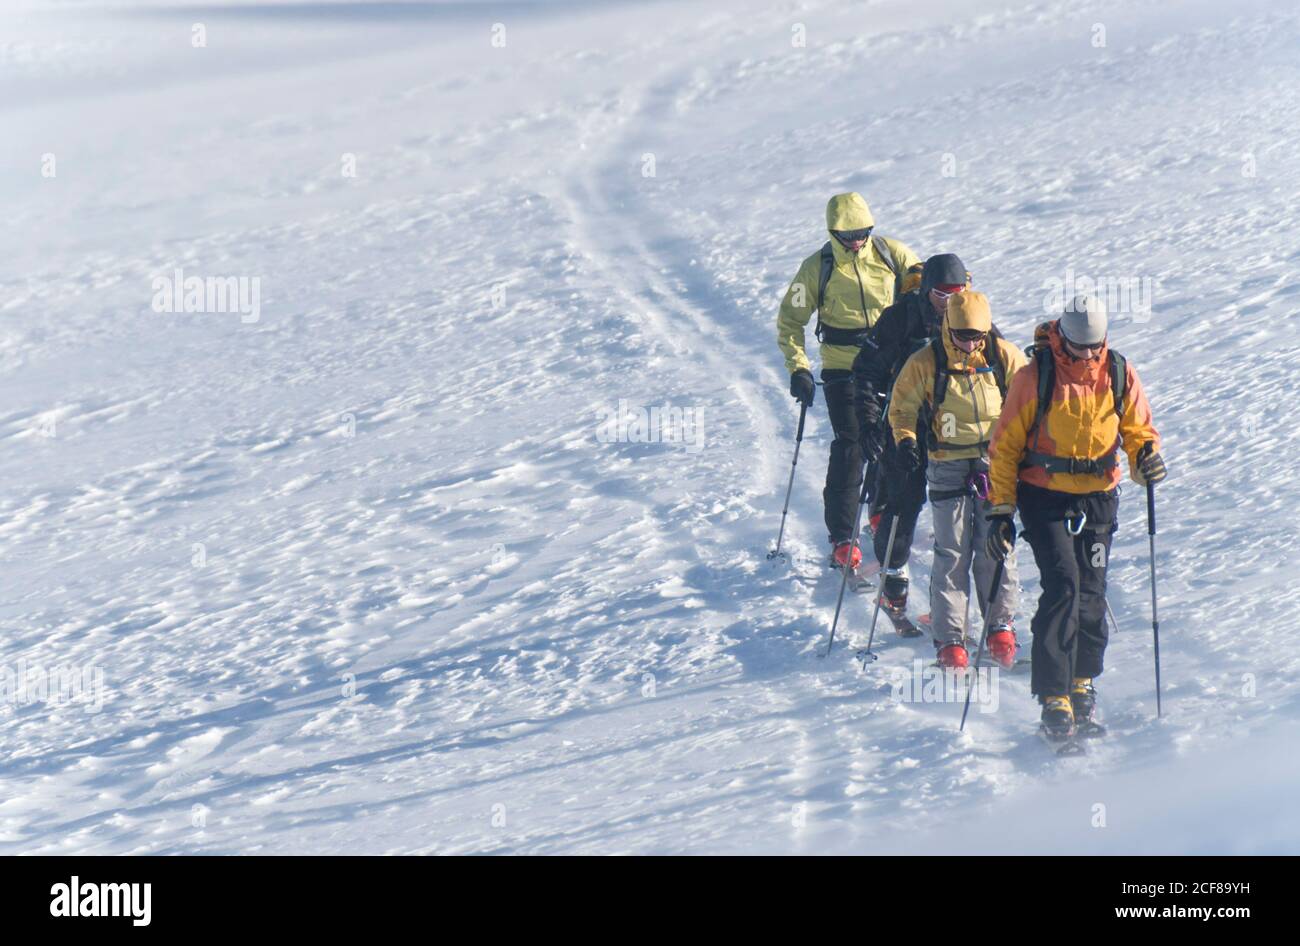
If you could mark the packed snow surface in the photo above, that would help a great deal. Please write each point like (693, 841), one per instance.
(381, 557)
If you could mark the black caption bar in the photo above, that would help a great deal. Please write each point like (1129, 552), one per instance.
(330, 895)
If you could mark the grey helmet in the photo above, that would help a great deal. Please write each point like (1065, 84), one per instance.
(1084, 321)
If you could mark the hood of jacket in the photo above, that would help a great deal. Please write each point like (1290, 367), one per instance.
(848, 212)
(967, 310)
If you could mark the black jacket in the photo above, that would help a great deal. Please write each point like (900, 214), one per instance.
(901, 330)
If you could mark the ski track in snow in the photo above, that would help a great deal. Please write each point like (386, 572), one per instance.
(361, 577)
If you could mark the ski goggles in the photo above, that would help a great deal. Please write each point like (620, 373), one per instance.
(966, 334)
(852, 236)
(941, 293)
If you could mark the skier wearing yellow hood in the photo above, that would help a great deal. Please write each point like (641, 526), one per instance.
(970, 367)
(848, 282)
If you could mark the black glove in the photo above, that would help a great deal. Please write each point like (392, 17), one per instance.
(802, 387)
(869, 412)
(865, 400)
(872, 440)
(906, 458)
(871, 432)
(1002, 533)
(1151, 468)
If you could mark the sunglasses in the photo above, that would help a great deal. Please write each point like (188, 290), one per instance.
(1096, 346)
(966, 334)
(948, 289)
(852, 236)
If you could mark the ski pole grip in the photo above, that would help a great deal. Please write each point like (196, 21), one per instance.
(1151, 508)
(803, 415)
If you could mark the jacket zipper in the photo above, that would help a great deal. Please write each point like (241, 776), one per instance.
(862, 293)
(975, 405)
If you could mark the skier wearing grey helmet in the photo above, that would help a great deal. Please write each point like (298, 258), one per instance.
(1069, 414)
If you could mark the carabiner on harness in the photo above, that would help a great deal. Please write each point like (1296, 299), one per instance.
(1073, 529)
(979, 484)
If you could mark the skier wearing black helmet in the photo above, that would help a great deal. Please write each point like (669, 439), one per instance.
(898, 489)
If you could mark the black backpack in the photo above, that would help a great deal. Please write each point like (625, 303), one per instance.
(942, 374)
(828, 267)
(1041, 355)
(824, 277)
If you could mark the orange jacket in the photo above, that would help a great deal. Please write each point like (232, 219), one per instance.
(1080, 422)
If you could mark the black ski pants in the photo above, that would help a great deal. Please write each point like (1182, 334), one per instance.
(895, 495)
(844, 472)
(1069, 626)
(890, 496)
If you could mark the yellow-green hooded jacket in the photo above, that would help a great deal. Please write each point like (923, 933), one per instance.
(972, 404)
(860, 288)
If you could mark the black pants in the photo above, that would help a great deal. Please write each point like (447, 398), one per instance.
(1070, 624)
(844, 479)
(844, 472)
(895, 496)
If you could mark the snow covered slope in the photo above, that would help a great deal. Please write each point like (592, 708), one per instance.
(360, 566)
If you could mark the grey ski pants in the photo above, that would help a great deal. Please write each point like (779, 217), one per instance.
(960, 533)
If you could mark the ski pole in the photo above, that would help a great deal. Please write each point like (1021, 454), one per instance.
(1111, 613)
(979, 654)
(880, 592)
(798, 442)
(965, 621)
(1155, 618)
(848, 562)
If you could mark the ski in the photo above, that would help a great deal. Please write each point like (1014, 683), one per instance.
(1018, 664)
(902, 623)
(1088, 729)
(859, 582)
(1015, 667)
(1067, 746)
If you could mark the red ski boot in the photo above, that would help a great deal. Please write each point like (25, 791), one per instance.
(846, 553)
(953, 656)
(1002, 646)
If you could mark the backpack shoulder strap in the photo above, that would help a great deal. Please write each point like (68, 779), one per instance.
(882, 249)
(997, 363)
(1118, 381)
(1046, 366)
(828, 267)
(940, 373)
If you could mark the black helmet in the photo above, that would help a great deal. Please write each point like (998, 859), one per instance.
(943, 269)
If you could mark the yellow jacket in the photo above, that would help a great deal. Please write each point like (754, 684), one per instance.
(860, 288)
(1080, 422)
(970, 407)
